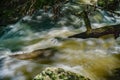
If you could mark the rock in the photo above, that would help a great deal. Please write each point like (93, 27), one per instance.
(58, 74)
(40, 53)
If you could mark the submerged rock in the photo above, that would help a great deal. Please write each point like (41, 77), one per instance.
(40, 53)
(58, 74)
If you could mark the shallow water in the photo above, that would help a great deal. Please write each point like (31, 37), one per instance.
(93, 58)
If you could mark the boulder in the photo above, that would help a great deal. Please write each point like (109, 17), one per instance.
(58, 74)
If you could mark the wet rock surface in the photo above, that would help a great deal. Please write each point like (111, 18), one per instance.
(40, 53)
(58, 74)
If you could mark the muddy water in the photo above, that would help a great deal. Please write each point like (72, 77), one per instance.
(93, 58)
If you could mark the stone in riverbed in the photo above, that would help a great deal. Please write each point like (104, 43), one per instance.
(40, 53)
(58, 74)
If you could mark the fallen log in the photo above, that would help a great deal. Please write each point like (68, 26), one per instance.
(99, 32)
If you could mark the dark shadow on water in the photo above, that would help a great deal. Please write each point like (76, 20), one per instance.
(43, 25)
(40, 21)
(1, 66)
(1, 62)
(115, 75)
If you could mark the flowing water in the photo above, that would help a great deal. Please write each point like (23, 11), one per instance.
(97, 59)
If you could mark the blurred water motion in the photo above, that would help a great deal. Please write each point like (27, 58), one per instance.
(93, 58)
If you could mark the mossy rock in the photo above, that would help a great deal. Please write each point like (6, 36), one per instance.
(58, 74)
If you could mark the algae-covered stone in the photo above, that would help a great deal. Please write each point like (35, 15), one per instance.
(58, 74)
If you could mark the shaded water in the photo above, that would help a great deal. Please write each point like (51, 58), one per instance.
(93, 58)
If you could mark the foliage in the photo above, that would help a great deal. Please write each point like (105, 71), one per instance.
(109, 4)
(12, 11)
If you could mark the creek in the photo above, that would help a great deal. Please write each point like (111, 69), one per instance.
(97, 59)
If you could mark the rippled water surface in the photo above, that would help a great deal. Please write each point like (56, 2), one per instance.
(93, 58)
